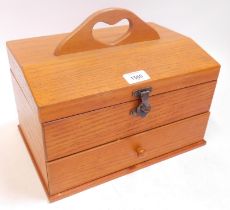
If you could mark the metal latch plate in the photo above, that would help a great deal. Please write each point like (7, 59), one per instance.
(144, 107)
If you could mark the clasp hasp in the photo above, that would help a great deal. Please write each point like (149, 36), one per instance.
(144, 107)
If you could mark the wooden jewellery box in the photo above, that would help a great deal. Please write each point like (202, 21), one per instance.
(94, 105)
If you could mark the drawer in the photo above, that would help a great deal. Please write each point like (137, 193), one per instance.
(86, 166)
(84, 131)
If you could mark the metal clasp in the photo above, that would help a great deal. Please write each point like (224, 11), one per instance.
(144, 107)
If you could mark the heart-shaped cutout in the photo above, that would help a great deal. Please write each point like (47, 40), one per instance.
(112, 36)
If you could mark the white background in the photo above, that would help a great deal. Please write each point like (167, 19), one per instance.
(199, 179)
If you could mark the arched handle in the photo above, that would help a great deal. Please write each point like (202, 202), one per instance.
(81, 39)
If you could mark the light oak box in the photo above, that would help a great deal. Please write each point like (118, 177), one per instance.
(81, 120)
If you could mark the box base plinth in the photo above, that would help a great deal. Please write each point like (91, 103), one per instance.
(108, 177)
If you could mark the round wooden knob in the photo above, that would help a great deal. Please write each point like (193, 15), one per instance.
(140, 151)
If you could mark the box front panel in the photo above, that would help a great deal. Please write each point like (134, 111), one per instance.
(92, 164)
(84, 131)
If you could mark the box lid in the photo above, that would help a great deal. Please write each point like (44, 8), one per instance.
(68, 74)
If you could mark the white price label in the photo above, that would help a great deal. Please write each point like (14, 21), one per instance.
(136, 76)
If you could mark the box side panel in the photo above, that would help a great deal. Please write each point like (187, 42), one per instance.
(20, 78)
(32, 131)
(92, 164)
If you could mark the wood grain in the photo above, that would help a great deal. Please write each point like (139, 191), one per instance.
(32, 131)
(84, 131)
(79, 82)
(34, 160)
(82, 38)
(73, 103)
(111, 176)
(125, 171)
(18, 75)
(92, 164)
(38, 50)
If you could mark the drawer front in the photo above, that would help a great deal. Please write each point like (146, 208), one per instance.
(97, 162)
(77, 133)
